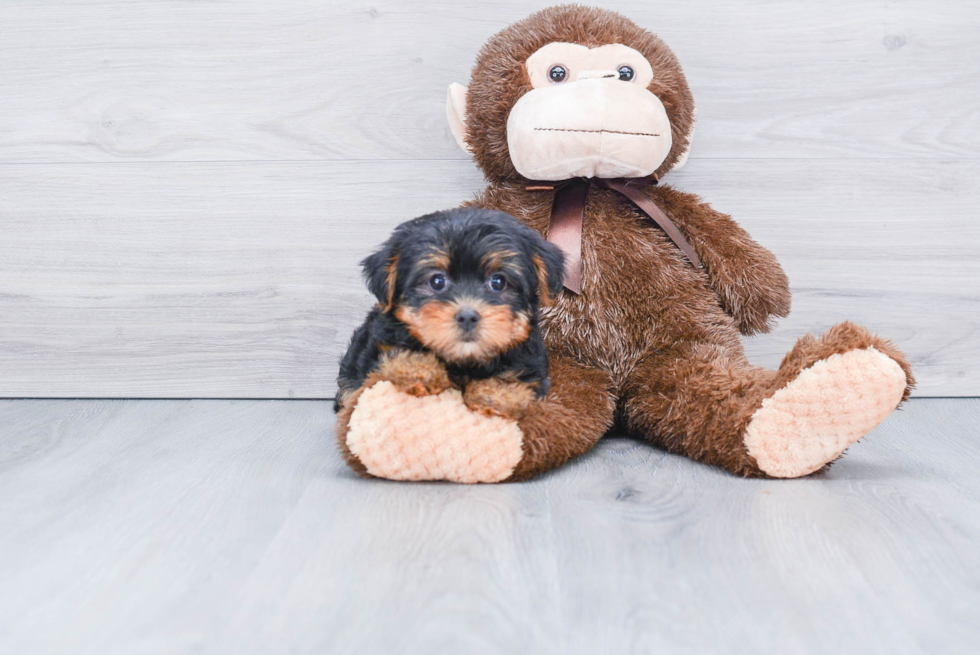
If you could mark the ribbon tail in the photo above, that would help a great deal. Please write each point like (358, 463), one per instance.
(565, 229)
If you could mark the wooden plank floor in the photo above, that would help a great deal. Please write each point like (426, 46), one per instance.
(232, 526)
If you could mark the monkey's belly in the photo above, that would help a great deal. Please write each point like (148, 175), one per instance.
(620, 317)
(639, 292)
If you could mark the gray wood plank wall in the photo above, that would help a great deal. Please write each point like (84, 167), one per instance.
(185, 188)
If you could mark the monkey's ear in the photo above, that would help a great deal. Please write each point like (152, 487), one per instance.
(550, 264)
(456, 113)
(690, 138)
(381, 273)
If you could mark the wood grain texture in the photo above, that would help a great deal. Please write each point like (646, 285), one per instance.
(186, 188)
(112, 80)
(233, 526)
(195, 280)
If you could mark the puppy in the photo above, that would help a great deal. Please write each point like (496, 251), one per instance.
(458, 297)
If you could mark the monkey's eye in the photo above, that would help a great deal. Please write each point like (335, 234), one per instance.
(438, 282)
(625, 73)
(557, 73)
(497, 283)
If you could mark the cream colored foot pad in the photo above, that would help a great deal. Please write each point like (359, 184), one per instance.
(829, 406)
(403, 437)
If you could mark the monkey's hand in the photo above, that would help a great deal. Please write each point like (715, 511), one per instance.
(414, 373)
(752, 287)
(496, 397)
(750, 283)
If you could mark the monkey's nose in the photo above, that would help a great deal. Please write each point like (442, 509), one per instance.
(597, 74)
(467, 319)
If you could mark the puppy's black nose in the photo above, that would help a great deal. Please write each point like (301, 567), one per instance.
(467, 319)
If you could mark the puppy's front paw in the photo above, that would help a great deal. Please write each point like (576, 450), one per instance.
(418, 374)
(496, 397)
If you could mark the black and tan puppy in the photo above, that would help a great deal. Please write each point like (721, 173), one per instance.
(458, 297)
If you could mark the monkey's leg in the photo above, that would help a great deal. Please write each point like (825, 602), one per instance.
(569, 421)
(708, 403)
(387, 433)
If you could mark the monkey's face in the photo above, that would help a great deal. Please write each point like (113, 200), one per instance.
(574, 91)
(589, 114)
(466, 283)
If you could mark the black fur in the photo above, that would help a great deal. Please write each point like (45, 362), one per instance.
(466, 236)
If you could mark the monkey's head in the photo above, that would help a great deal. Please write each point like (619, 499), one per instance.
(574, 91)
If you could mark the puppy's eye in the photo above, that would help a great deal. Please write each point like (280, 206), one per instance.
(497, 283)
(438, 282)
(625, 73)
(557, 73)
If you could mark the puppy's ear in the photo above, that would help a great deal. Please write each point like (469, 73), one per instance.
(550, 264)
(381, 273)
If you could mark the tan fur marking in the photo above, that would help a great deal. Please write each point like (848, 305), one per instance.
(434, 325)
(418, 374)
(500, 260)
(392, 278)
(501, 329)
(544, 296)
(436, 259)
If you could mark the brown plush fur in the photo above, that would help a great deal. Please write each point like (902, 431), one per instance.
(499, 78)
(571, 419)
(651, 340)
(666, 334)
(343, 425)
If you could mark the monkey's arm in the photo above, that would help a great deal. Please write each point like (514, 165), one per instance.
(752, 286)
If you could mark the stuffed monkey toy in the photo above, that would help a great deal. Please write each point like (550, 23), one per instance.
(574, 115)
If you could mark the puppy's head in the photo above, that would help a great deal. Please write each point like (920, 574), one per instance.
(466, 282)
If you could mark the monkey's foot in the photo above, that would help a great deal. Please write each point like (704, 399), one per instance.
(827, 407)
(400, 436)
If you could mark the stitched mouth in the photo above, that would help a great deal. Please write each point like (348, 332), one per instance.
(558, 129)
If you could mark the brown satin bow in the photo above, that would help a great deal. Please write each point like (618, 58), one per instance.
(567, 212)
